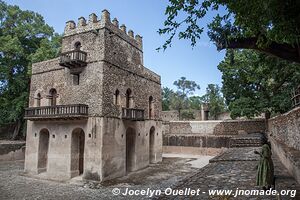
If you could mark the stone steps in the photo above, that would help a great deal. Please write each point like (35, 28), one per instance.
(245, 142)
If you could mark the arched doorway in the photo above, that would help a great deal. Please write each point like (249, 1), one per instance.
(151, 145)
(77, 151)
(43, 150)
(130, 149)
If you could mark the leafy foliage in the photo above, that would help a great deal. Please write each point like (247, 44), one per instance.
(215, 100)
(195, 102)
(254, 83)
(187, 115)
(166, 98)
(24, 38)
(186, 87)
(271, 26)
(180, 99)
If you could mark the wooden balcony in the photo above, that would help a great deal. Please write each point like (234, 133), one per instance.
(74, 60)
(73, 111)
(133, 114)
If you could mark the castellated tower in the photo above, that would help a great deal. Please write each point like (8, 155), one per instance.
(95, 110)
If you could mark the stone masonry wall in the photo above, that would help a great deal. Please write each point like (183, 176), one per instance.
(47, 75)
(286, 128)
(235, 127)
(215, 127)
(208, 134)
(114, 61)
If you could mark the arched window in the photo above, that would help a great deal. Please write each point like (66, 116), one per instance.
(38, 100)
(128, 98)
(150, 107)
(117, 97)
(52, 97)
(77, 45)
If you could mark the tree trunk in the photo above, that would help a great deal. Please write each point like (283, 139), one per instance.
(17, 130)
(267, 117)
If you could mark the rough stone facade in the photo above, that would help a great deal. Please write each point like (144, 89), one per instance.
(114, 78)
(286, 128)
(235, 127)
(284, 134)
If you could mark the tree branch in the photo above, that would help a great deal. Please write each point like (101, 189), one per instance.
(284, 51)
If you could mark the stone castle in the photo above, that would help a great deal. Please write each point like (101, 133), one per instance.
(94, 111)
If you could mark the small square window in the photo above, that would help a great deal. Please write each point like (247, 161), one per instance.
(53, 136)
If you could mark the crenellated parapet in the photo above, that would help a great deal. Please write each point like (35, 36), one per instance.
(105, 22)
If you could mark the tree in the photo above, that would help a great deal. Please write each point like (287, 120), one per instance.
(255, 83)
(186, 87)
(178, 102)
(179, 99)
(195, 102)
(24, 38)
(166, 98)
(269, 26)
(215, 100)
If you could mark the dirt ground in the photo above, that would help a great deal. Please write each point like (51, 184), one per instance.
(15, 185)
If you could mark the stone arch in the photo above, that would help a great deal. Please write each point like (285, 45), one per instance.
(43, 149)
(52, 97)
(152, 145)
(129, 99)
(130, 149)
(77, 151)
(150, 107)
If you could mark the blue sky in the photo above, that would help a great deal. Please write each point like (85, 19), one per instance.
(144, 18)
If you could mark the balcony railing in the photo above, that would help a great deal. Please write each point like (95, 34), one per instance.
(296, 97)
(59, 111)
(74, 60)
(133, 114)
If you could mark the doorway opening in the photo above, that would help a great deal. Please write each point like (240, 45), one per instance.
(151, 145)
(130, 149)
(43, 150)
(77, 151)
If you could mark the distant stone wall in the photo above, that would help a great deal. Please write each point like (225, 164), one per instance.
(224, 116)
(212, 134)
(215, 127)
(12, 150)
(235, 127)
(286, 128)
(196, 141)
(170, 115)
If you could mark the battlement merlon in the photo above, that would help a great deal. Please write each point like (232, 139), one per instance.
(105, 22)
